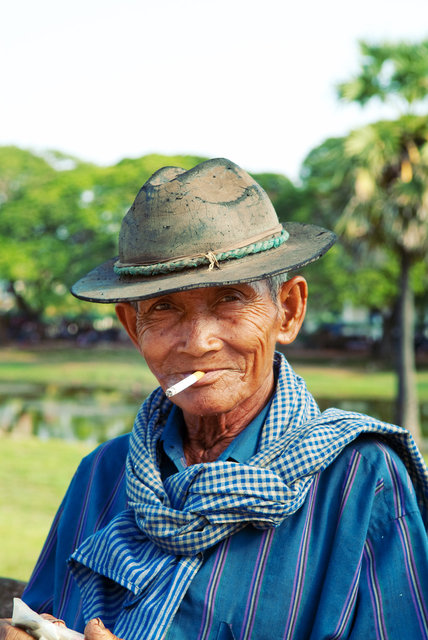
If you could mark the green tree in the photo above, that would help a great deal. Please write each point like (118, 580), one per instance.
(327, 186)
(388, 207)
(42, 226)
(306, 204)
(395, 73)
(59, 218)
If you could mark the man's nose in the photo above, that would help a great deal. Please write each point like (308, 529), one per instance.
(200, 333)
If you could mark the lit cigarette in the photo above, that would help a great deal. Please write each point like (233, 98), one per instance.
(183, 384)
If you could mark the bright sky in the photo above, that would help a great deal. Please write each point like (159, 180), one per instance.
(249, 80)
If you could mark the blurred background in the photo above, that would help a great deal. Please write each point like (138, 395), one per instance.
(325, 104)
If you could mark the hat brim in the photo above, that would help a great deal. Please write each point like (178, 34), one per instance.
(305, 244)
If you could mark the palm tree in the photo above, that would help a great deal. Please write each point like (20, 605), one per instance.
(389, 204)
(389, 208)
(395, 73)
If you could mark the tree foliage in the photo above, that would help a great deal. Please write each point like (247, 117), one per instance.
(388, 207)
(389, 72)
(59, 218)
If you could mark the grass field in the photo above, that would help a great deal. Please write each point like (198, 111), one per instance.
(34, 474)
(119, 367)
(122, 368)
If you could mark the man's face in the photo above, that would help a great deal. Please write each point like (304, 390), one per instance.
(228, 332)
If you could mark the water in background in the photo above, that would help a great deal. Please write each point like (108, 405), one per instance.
(73, 414)
(96, 416)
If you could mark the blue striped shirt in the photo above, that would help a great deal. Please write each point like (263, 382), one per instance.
(350, 563)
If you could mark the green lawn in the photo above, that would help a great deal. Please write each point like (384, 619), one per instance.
(356, 382)
(122, 368)
(34, 475)
(119, 367)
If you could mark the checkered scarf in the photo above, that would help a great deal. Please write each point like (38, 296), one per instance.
(153, 549)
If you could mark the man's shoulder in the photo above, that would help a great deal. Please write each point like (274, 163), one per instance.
(377, 452)
(108, 455)
(99, 478)
(372, 466)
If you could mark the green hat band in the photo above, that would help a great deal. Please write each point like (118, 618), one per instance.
(211, 259)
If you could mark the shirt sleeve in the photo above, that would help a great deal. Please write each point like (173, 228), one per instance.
(95, 496)
(393, 583)
(39, 592)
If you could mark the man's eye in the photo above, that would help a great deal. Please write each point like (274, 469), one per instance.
(161, 306)
(229, 297)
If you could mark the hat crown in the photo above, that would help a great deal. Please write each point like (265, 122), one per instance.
(210, 226)
(214, 206)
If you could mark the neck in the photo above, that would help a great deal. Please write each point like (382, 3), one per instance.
(206, 437)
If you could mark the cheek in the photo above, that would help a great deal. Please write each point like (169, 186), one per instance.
(258, 339)
(154, 346)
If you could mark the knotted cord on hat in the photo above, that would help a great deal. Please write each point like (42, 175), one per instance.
(211, 258)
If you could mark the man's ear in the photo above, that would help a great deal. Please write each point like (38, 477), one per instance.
(292, 299)
(128, 318)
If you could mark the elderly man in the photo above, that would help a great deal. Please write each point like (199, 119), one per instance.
(235, 509)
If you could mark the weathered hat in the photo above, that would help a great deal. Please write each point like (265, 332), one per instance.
(212, 225)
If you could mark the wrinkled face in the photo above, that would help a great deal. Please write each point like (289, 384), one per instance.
(228, 332)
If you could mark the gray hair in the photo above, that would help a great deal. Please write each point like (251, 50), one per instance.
(274, 284)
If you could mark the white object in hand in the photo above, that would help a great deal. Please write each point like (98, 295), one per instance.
(36, 626)
(183, 384)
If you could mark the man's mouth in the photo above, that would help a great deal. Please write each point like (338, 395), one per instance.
(209, 376)
(184, 383)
